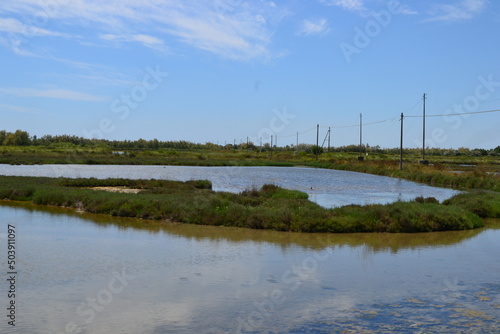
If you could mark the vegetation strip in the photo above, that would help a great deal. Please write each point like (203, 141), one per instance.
(270, 207)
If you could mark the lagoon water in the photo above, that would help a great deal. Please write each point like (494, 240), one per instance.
(80, 273)
(329, 188)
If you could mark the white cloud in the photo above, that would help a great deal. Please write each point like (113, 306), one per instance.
(232, 29)
(352, 5)
(28, 110)
(242, 36)
(146, 40)
(359, 7)
(460, 11)
(14, 26)
(63, 94)
(317, 27)
(405, 10)
(18, 33)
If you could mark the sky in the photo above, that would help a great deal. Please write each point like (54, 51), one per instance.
(223, 70)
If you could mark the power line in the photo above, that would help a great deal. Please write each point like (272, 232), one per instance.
(298, 133)
(459, 114)
(357, 125)
(387, 120)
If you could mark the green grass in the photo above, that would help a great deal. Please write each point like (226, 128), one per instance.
(485, 204)
(270, 207)
(430, 175)
(408, 217)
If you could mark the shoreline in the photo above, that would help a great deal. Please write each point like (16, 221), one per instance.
(476, 174)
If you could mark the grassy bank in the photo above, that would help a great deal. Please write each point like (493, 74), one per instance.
(435, 175)
(270, 207)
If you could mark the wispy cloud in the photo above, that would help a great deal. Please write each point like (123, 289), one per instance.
(20, 109)
(242, 36)
(405, 10)
(361, 7)
(146, 40)
(14, 26)
(17, 33)
(111, 79)
(63, 94)
(316, 27)
(351, 5)
(232, 29)
(459, 11)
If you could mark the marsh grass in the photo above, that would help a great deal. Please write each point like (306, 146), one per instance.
(269, 207)
(485, 204)
(428, 175)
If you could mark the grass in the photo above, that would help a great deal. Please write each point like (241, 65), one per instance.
(270, 207)
(431, 175)
(485, 204)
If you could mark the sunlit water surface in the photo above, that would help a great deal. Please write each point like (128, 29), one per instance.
(90, 274)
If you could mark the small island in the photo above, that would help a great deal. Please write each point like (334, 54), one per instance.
(271, 207)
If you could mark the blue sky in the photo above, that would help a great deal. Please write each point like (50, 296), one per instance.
(216, 71)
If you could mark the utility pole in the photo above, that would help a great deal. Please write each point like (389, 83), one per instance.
(423, 161)
(234, 144)
(317, 142)
(247, 143)
(329, 133)
(401, 145)
(297, 138)
(360, 158)
(271, 146)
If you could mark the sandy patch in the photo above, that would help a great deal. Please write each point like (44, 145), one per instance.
(118, 189)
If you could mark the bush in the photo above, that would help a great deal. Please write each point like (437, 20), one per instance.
(483, 203)
(421, 199)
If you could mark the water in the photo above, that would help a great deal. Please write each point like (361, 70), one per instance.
(329, 188)
(81, 273)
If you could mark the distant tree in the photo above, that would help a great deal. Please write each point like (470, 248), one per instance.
(317, 150)
(10, 139)
(479, 152)
(141, 143)
(22, 138)
(154, 144)
(303, 148)
(3, 135)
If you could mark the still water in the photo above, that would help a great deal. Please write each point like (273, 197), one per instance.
(328, 188)
(80, 273)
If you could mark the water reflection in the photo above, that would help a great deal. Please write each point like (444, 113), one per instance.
(375, 242)
(201, 279)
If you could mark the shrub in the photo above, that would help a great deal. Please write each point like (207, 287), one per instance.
(421, 199)
(482, 203)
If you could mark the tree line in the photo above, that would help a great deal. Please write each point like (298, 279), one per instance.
(23, 138)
